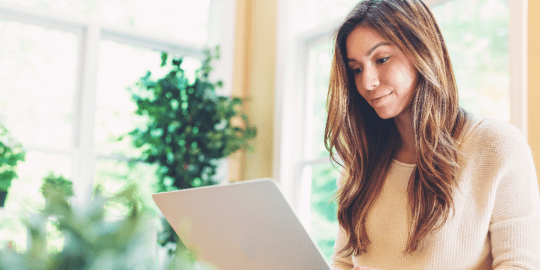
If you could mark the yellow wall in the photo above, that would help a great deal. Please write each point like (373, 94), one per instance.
(254, 78)
(534, 81)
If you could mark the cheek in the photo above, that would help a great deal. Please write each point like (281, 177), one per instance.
(405, 78)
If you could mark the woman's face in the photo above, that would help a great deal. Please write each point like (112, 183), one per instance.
(383, 74)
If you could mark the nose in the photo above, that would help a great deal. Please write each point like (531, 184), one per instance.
(370, 78)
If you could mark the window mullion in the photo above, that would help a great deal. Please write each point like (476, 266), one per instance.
(289, 107)
(303, 196)
(300, 130)
(152, 42)
(84, 153)
(14, 12)
(309, 106)
(221, 24)
(517, 45)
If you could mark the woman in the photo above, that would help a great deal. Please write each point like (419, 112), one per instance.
(426, 184)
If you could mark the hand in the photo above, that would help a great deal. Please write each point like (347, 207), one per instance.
(364, 268)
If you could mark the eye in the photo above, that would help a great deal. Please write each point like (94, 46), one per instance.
(382, 60)
(356, 70)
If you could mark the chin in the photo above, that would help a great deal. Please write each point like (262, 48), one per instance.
(391, 112)
(386, 115)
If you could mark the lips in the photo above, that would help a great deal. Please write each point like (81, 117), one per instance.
(382, 96)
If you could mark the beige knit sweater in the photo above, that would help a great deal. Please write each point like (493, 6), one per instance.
(497, 219)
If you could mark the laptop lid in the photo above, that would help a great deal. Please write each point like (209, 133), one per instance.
(245, 225)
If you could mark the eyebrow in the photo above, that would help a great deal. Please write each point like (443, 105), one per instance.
(371, 50)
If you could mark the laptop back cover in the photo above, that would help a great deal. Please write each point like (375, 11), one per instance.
(246, 225)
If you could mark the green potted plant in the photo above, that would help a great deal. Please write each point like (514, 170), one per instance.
(190, 128)
(11, 153)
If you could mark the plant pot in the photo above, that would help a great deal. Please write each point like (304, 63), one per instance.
(3, 196)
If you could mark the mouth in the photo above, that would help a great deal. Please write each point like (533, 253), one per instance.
(379, 97)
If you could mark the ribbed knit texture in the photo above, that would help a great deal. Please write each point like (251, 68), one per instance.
(497, 219)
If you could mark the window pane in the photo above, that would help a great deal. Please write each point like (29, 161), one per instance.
(319, 62)
(113, 176)
(37, 70)
(477, 40)
(330, 10)
(24, 196)
(24, 193)
(181, 19)
(120, 67)
(322, 224)
(12, 231)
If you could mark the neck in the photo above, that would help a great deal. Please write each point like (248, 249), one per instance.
(407, 152)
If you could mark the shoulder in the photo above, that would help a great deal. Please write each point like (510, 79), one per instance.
(497, 146)
(497, 128)
(495, 135)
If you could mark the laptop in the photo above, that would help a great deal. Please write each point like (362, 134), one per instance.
(245, 225)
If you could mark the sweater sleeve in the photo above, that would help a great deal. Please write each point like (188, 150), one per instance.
(515, 221)
(341, 262)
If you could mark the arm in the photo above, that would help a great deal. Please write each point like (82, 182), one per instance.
(515, 222)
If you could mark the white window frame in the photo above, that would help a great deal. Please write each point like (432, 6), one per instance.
(290, 95)
(90, 33)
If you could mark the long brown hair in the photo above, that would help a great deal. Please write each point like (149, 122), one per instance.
(367, 144)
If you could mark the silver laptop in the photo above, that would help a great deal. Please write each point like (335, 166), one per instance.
(245, 225)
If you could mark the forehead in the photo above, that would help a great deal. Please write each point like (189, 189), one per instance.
(362, 39)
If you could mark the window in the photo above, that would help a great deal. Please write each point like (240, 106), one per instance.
(39, 72)
(486, 45)
(65, 66)
(184, 20)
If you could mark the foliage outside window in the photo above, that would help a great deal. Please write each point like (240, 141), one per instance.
(11, 153)
(53, 185)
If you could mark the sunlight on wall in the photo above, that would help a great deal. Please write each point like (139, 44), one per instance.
(534, 82)
(255, 53)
